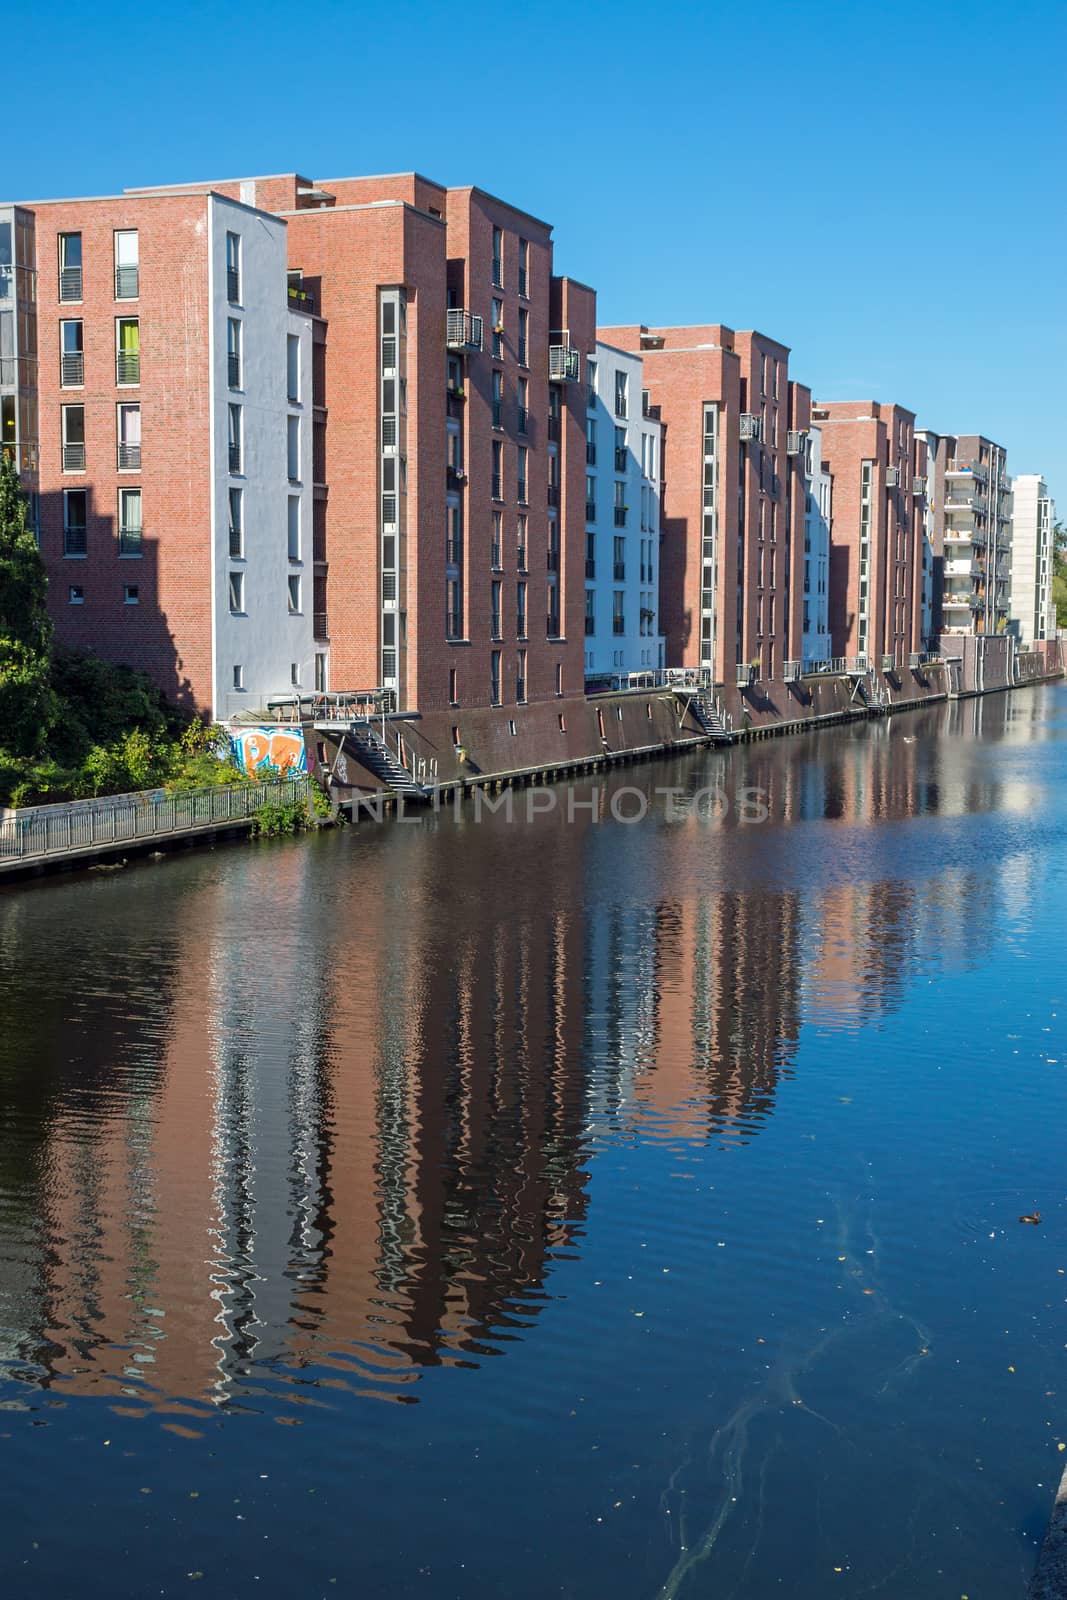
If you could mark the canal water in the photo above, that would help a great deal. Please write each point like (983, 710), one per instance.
(621, 1200)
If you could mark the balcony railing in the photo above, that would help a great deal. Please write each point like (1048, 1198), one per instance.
(233, 369)
(235, 458)
(127, 285)
(233, 285)
(130, 541)
(618, 624)
(522, 353)
(127, 366)
(321, 626)
(74, 541)
(619, 571)
(495, 625)
(590, 626)
(523, 283)
(70, 283)
(498, 273)
(552, 560)
(453, 552)
(553, 494)
(552, 625)
(463, 331)
(495, 557)
(74, 458)
(520, 625)
(497, 487)
(563, 364)
(620, 516)
(522, 420)
(300, 299)
(590, 566)
(520, 557)
(129, 457)
(554, 429)
(620, 460)
(72, 369)
(521, 494)
(453, 625)
(236, 543)
(590, 454)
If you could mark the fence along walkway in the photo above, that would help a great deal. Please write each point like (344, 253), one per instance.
(39, 833)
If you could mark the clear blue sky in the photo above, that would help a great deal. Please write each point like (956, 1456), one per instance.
(881, 188)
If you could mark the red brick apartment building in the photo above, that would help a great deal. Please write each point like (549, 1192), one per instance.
(732, 521)
(879, 473)
(359, 437)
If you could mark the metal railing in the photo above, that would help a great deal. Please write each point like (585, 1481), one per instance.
(127, 283)
(235, 458)
(554, 428)
(127, 366)
(620, 460)
(233, 369)
(70, 283)
(463, 331)
(522, 421)
(131, 541)
(129, 457)
(38, 832)
(72, 369)
(620, 516)
(233, 285)
(74, 458)
(563, 364)
(75, 541)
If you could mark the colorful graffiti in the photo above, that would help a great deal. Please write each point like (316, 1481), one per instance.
(265, 748)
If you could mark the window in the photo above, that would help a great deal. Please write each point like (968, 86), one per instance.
(238, 676)
(498, 470)
(128, 434)
(618, 619)
(498, 398)
(237, 529)
(520, 609)
(498, 328)
(294, 674)
(237, 593)
(590, 497)
(524, 268)
(71, 355)
(619, 564)
(294, 594)
(131, 594)
(590, 554)
(520, 678)
(590, 614)
(590, 442)
(130, 530)
(292, 368)
(75, 502)
(498, 258)
(127, 350)
(293, 448)
(521, 528)
(523, 454)
(126, 265)
(494, 676)
(70, 266)
(233, 268)
(234, 437)
(76, 594)
(233, 352)
(620, 504)
(522, 419)
(294, 527)
(620, 449)
(620, 394)
(496, 551)
(590, 384)
(73, 438)
(453, 686)
(524, 336)
(453, 609)
(496, 587)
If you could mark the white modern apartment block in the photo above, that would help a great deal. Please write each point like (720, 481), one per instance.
(818, 512)
(1033, 614)
(622, 494)
(264, 634)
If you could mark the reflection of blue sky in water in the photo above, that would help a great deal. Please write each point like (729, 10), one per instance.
(717, 1135)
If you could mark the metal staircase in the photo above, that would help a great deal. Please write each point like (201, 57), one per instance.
(372, 750)
(711, 716)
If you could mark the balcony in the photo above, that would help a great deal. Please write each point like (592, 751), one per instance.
(564, 364)
(129, 457)
(463, 331)
(72, 369)
(127, 367)
(300, 299)
(320, 626)
(127, 285)
(70, 283)
(74, 458)
(620, 516)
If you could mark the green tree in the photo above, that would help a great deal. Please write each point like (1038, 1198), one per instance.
(1059, 573)
(28, 706)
